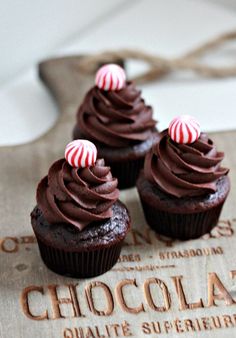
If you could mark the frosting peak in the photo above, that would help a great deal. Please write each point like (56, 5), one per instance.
(115, 118)
(184, 169)
(77, 196)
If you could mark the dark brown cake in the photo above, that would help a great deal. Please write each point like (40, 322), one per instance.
(183, 187)
(86, 253)
(122, 127)
(79, 222)
(181, 218)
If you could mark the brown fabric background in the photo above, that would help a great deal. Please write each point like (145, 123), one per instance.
(21, 167)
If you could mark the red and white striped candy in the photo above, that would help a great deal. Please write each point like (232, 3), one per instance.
(110, 77)
(81, 153)
(184, 129)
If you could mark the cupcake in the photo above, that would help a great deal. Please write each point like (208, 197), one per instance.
(183, 186)
(115, 117)
(79, 222)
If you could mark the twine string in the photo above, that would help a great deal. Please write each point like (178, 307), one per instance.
(160, 66)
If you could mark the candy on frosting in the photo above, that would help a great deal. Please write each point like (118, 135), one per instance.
(81, 153)
(184, 169)
(184, 129)
(77, 196)
(110, 77)
(115, 118)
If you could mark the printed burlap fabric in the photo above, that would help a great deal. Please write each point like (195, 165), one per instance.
(159, 287)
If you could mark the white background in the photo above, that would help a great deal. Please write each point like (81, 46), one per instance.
(30, 31)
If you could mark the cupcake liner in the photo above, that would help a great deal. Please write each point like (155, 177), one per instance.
(182, 226)
(79, 264)
(126, 172)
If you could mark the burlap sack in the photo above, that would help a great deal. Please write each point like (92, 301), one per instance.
(159, 287)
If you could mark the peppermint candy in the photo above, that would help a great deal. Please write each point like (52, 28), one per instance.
(110, 77)
(81, 153)
(184, 129)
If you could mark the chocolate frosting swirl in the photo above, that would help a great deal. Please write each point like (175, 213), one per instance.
(183, 170)
(115, 118)
(77, 196)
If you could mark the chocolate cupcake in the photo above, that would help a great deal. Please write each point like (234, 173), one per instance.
(183, 186)
(79, 222)
(115, 117)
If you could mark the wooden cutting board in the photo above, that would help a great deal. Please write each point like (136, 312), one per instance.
(159, 287)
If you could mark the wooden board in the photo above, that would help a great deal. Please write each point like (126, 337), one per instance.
(159, 287)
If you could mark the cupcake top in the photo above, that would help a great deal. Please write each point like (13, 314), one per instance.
(184, 162)
(78, 190)
(113, 111)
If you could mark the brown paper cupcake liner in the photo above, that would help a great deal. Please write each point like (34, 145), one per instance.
(126, 172)
(79, 264)
(124, 166)
(182, 226)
